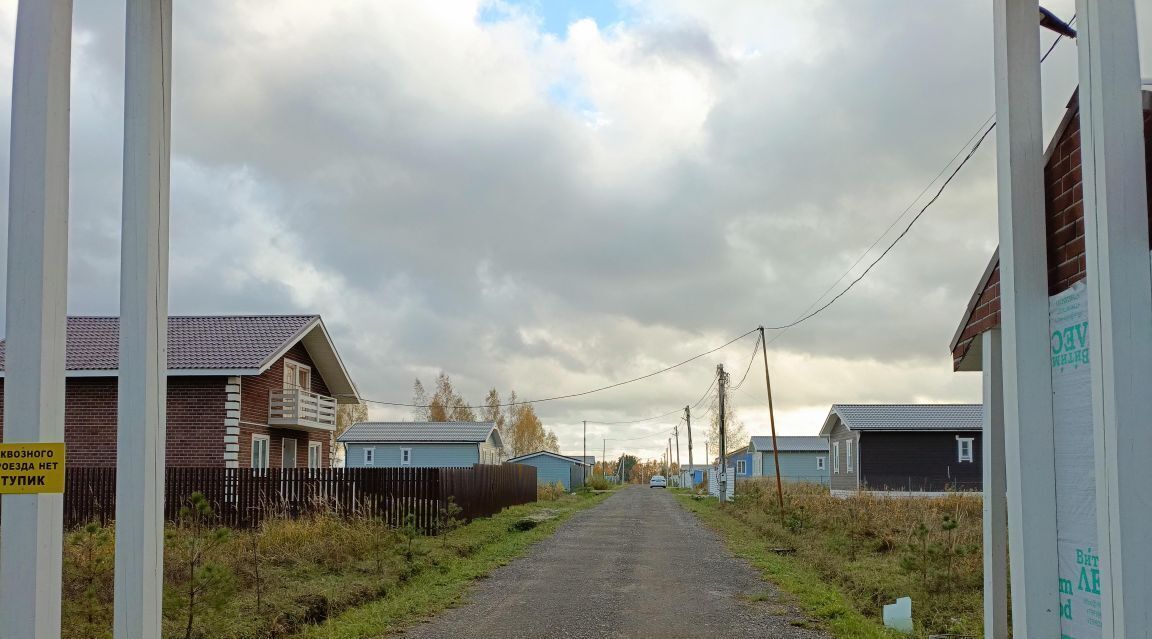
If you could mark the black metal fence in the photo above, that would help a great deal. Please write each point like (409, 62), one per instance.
(242, 498)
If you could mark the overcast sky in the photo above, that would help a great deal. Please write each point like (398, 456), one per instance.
(554, 196)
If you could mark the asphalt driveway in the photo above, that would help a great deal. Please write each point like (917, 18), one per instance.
(637, 565)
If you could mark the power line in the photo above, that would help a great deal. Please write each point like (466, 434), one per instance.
(579, 394)
(637, 421)
(987, 129)
(755, 348)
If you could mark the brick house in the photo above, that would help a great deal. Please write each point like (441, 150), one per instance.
(1064, 214)
(243, 391)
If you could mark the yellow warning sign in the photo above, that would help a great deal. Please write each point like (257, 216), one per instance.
(31, 468)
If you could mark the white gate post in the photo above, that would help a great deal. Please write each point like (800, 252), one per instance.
(995, 490)
(32, 526)
(1028, 437)
(1120, 307)
(143, 322)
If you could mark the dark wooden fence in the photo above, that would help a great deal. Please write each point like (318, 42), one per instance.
(242, 498)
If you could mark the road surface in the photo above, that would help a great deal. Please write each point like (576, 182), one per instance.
(637, 565)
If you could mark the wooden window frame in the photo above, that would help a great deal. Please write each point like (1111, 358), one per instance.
(296, 378)
(405, 456)
(370, 456)
(848, 467)
(960, 457)
(820, 463)
(319, 448)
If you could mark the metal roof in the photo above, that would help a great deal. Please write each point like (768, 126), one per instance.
(906, 417)
(791, 443)
(417, 432)
(215, 342)
(567, 458)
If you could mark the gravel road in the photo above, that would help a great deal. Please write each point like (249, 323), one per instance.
(637, 565)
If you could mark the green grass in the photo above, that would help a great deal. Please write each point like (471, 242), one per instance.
(491, 544)
(816, 597)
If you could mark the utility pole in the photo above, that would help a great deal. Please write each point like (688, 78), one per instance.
(722, 381)
(604, 460)
(667, 474)
(772, 422)
(585, 456)
(676, 432)
(688, 419)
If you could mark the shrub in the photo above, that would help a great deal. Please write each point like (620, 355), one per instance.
(599, 482)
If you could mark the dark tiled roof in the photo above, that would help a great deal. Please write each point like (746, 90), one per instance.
(217, 342)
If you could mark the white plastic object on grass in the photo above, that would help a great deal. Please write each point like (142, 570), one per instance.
(898, 616)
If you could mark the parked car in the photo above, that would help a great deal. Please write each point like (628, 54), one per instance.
(657, 481)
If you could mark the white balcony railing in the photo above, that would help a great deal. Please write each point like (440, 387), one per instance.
(298, 408)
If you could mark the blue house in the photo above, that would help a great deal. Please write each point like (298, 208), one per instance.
(802, 459)
(421, 444)
(554, 467)
(740, 460)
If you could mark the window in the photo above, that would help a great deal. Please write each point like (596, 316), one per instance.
(369, 456)
(260, 451)
(836, 457)
(297, 375)
(287, 452)
(819, 463)
(405, 456)
(848, 456)
(741, 467)
(314, 451)
(964, 449)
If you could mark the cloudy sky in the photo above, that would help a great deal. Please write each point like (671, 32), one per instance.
(553, 196)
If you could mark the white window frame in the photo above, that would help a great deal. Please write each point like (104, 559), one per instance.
(405, 456)
(298, 368)
(315, 455)
(370, 456)
(836, 457)
(741, 467)
(266, 458)
(848, 456)
(819, 463)
(960, 456)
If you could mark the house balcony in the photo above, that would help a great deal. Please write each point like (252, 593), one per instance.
(301, 409)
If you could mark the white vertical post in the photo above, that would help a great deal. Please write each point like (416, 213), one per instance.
(995, 490)
(1120, 307)
(143, 322)
(32, 526)
(1028, 437)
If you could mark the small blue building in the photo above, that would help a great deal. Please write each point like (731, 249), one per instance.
(741, 461)
(554, 467)
(802, 459)
(421, 444)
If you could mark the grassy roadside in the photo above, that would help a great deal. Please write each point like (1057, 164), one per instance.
(457, 559)
(817, 598)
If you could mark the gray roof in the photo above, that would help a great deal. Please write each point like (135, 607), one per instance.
(791, 443)
(569, 458)
(417, 432)
(908, 417)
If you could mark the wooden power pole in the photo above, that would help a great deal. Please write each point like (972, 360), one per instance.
(688, 420)
(721, 389)
(772, 423)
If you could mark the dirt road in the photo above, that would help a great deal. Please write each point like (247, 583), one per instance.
(637, 565)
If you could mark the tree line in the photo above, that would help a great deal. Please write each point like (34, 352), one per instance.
(519, 426)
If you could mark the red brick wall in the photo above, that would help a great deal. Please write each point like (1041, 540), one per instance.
(195, 421)
(1064, 213)
(254, 392)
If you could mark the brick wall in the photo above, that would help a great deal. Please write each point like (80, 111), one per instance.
(254, 392)
(1064, 222)
(195, 421)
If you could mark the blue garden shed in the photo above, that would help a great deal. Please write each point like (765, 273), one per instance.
(421, 444)
(802, 458)
(554, 467)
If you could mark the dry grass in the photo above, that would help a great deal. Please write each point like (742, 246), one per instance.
(875, 549)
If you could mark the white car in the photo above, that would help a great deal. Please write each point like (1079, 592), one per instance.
(657, 481)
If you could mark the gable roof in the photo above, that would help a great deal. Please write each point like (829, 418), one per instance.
(790, 443)
(573, 460)
(419, 433)
(209, 345)
(905, 417)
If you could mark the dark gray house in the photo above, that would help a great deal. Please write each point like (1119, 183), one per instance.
(915, 448)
